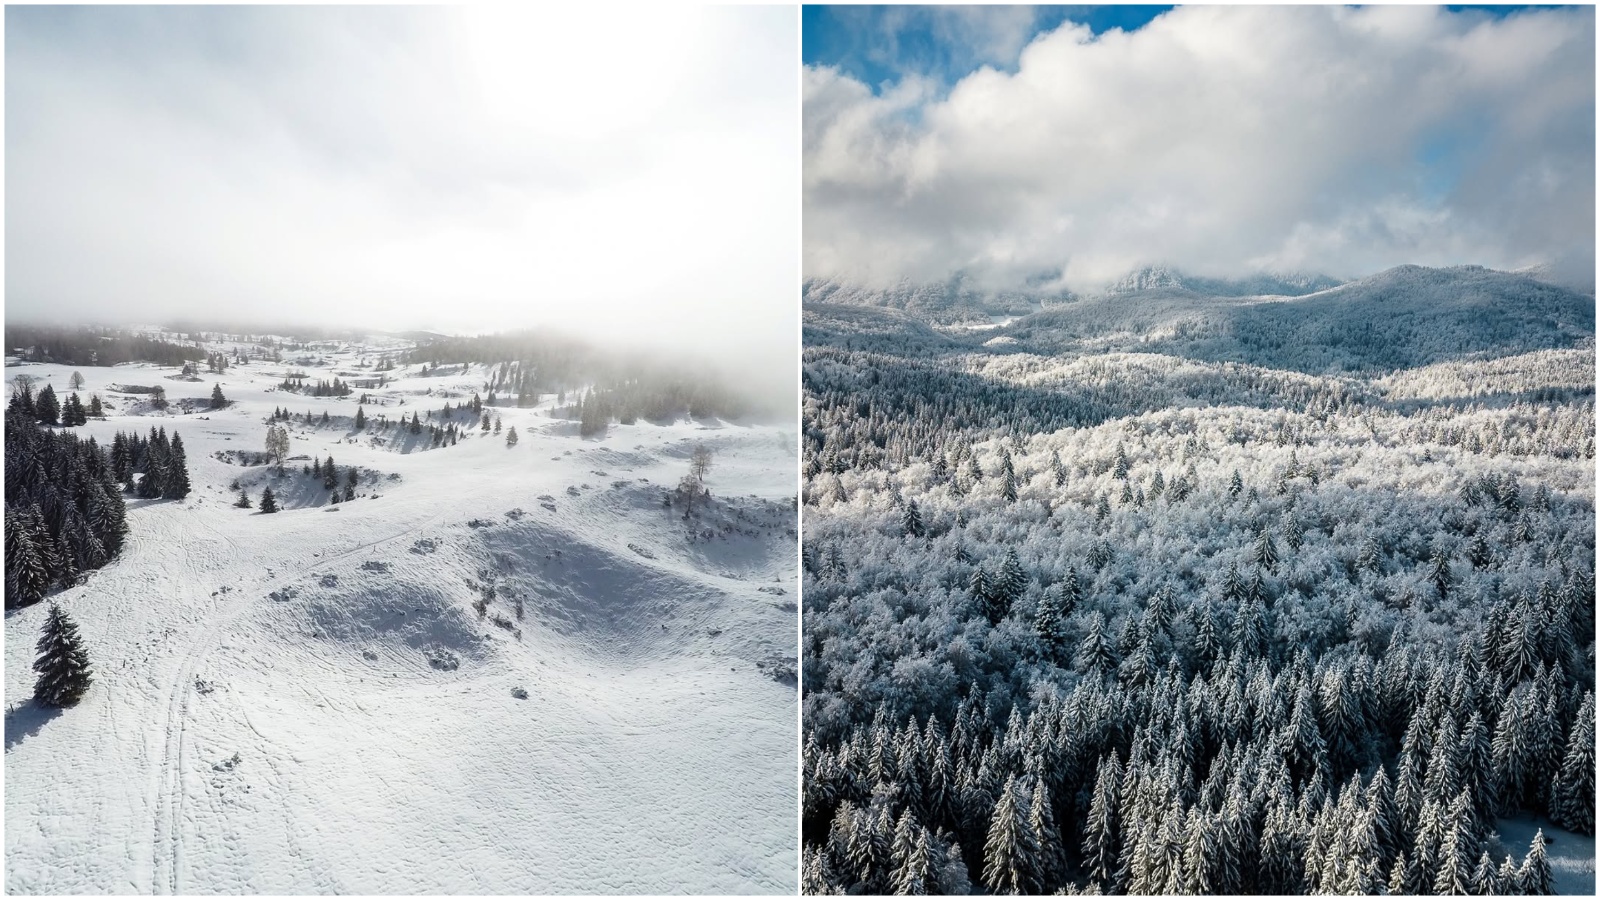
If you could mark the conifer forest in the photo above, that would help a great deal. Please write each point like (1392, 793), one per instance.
(1081, 618)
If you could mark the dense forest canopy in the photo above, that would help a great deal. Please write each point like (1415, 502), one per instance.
(64, 510)
(1136, 622)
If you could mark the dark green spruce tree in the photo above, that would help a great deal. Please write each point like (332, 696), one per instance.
(63, 663)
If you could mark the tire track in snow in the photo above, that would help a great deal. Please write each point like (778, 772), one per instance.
(166, 845)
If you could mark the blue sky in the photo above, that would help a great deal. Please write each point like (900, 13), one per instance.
(878, 44)
(1223, 140)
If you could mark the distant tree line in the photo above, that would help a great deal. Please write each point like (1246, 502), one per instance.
(322, 388)
(94, 346)
(606, 385)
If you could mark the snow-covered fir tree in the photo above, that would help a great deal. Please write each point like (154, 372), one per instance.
(63, 662)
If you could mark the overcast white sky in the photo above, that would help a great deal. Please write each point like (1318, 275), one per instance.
(1221, 140)
(629, 175)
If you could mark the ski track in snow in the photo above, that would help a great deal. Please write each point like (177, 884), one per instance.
(167, 840)
(325, 755)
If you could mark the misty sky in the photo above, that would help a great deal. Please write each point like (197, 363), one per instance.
(1066, 146)
(630, 175)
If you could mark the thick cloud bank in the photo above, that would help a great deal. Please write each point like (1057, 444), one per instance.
(631, 175)
(1221, 141)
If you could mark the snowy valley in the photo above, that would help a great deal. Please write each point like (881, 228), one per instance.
(510, 646)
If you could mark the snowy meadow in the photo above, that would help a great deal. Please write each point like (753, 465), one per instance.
(519, 617)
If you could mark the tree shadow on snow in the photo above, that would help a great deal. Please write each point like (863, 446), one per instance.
(25, 720)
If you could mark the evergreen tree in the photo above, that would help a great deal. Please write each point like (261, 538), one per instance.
(62, 664)
(1572, 795)
(1478, 553)
(269, 503)
(1049, 622)
(28, 573)
(1381, 810)
(72, 412)
(1096, 655)
(218, 401)
(244, 499)
(1010, 582)
(1265, 552)
(1208, 642)
(176, 485)
(1293, 536)
(511, 436)
(1508, 877)
(979, 590)
(1458, 851)
(914, 870)
(361, 419)
(1535, 877)
(1439, 574)
(1369, 558)
(911, 520)
(96, 411)
(1484, 880)
(1232, 585)
(1071, 594)
(1399, 882)
(1101, 830)
(22, 400)
(1250, 636)
(1045, 837)
(47, 407)
(1009, 854)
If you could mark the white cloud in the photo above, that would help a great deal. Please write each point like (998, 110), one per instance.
(1218, 139)
(630, 175)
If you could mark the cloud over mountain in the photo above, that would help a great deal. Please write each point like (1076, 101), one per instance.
(1220, 140)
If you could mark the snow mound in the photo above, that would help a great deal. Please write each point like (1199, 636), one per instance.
(392, 613)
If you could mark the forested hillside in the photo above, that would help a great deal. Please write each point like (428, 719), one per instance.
(1404, 317)
(1174, 622)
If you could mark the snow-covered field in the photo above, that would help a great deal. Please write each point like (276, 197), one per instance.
(275, 708)
(1571, 855)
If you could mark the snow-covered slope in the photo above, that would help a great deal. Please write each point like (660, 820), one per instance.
(958, 300)
(1400, 318)
(1403, 317)
(951, 301)
(310, 702)
(1151, 278)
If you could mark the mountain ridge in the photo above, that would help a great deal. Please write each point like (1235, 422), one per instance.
(957, 299)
